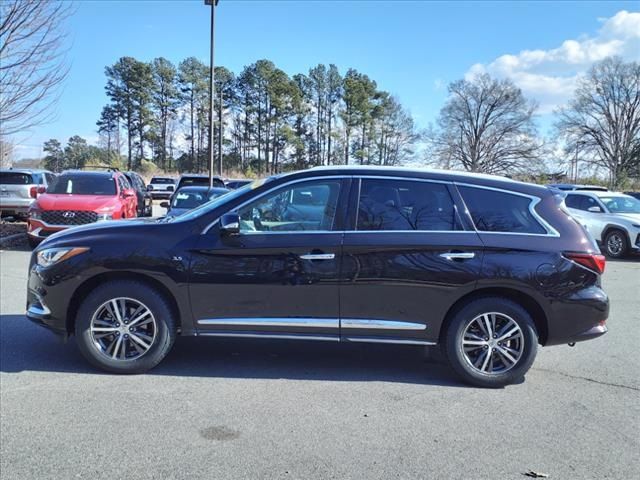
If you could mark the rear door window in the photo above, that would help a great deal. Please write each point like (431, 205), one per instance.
(497, 211)
(393, 205)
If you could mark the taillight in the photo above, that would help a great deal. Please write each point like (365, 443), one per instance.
(33, 192)
(592, 261)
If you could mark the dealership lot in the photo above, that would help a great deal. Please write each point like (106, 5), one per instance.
(246, 409)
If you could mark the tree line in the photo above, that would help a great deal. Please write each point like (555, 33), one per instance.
(265, 120)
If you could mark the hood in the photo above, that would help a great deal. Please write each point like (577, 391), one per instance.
(91, 203)
(633, 217)
(98, 227)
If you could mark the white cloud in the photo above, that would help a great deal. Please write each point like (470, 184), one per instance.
(438, 84)
(549, 76)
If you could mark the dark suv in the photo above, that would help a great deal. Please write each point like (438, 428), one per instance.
(485, 267)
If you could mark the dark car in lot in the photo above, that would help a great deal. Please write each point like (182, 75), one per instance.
(145, 200)
(188, 198)
(484, 267)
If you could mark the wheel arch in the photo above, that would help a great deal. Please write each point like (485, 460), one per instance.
(612, 226)
(526, 301)
(90, 284)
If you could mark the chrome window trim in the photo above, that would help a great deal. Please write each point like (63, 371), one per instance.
(257, 197)
(284, 336)
(380, 324)
(273, 322)
(551, 232)
(395, 341)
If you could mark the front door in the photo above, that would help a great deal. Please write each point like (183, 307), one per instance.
(280, 275)
(406, 259)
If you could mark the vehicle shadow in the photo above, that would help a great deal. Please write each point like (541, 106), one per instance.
(27, 347)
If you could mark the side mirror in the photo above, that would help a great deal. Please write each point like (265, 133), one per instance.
(230, 224)
(165, 205)
(128, 192)
(594, 209)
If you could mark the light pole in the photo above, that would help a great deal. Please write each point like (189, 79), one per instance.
(213, 4)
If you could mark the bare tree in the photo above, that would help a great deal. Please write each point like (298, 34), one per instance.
(603, 118)
(485, 126)
(6, 154)
(32, 61)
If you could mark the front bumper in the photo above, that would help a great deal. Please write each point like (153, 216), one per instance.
(40, 230)
(40, 314)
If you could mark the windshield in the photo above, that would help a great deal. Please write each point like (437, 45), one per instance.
(621, 204)
(83, 185)
(218, 201)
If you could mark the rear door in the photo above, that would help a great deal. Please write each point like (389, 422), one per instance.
(406, 258)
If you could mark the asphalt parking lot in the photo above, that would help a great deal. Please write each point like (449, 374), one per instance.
(248, 409)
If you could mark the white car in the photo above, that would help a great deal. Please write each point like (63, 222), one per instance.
(613, 219)
(161, 187)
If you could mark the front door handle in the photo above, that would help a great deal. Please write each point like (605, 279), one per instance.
(318, 256)
(458, 255)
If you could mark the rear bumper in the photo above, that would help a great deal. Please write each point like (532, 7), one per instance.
(578, 317)
(160, 194)
(15, 205)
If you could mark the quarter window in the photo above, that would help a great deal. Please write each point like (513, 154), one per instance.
(309, 206)
(494, 211)
(390, 205)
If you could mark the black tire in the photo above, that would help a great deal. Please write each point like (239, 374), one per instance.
(165, 326)
(459, 361)
(616, 244)
(33, 242)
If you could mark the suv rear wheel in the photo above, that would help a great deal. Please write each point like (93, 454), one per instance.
(125, 327)
(491, 342)
(616, 244)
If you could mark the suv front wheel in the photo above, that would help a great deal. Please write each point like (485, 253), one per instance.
(491, 342)
(125, 327)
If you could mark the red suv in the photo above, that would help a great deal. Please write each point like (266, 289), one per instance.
(78, 198)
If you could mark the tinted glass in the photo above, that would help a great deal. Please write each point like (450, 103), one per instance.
(15, 178)
(163, 181)
(300, 207)
(405, 205)
(189, 200)
(574, 201)
(199, 181)
(621, 204)
(494, 211)
(83, 185)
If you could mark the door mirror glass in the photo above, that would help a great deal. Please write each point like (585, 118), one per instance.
(164, 204)
(230, 224)
(595, 209)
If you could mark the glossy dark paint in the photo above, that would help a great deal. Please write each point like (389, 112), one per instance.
(397, 276)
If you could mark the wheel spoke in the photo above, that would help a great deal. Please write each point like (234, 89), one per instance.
(138, 318)
(487, 323)
(514, 332)
(115, 309)
(474, 342)
(486, 360)
(505, 354)
(104, 329)
(136, 338)
(117, 347)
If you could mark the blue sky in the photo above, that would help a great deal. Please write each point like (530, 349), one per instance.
(411, 48)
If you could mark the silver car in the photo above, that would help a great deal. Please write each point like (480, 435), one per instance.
(612, 218)
(20, 187)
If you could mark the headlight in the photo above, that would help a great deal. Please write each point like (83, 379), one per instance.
(35, 213)
(51, 256)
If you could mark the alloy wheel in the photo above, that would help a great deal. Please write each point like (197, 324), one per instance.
(492, 343)
(123, 329)
(615, 244)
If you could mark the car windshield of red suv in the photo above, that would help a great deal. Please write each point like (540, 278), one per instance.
(83, 185)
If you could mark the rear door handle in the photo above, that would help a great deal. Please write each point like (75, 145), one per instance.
(458, 255)
(318, 256)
